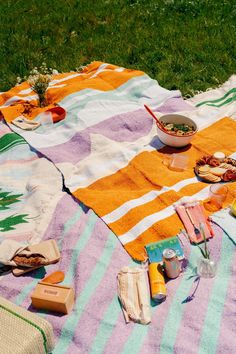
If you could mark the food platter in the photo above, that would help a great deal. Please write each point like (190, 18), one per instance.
(213, 170)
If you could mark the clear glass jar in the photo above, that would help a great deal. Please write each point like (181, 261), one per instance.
(206, 268)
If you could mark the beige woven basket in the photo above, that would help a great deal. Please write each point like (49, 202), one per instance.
(23, 332)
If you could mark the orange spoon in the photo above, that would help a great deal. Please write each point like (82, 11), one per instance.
(159, 123)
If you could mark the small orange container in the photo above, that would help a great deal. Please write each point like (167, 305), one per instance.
(53, 297)
(157, 282)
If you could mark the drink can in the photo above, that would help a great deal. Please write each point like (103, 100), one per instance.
(171, 263)
(157, 282)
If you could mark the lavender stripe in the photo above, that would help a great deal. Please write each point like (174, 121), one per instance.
(119, 335)
(174, 105)
(82, 270)
(227, 340)
(99, 303)
(191, 325)
(159, 315)
(69, 242)
(60, 216)
(123, 127)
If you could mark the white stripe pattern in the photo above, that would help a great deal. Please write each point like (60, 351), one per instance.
(150, 220)
(146, 198)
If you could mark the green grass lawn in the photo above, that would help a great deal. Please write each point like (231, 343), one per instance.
(183, 44)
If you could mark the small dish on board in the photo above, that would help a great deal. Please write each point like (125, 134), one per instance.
(213, 170)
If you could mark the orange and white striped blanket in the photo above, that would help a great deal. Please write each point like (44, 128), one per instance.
(108, 151)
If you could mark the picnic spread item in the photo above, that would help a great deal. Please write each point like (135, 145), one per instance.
(53, 297)
(133, 294)
(176, 130)
(56, 277)
(192, 215)
(22, 331)
(106, 125)
(171, 263)
(157, 282)
(58, 113)
(155, 249)
(35, 256)
(24, 123)
(214, 169)
(176, 162)
(217, 196)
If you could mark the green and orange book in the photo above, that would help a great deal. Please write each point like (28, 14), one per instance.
(156, 249)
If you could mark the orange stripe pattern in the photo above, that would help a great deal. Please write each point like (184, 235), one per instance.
(146, 173)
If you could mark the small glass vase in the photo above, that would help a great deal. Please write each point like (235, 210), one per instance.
(42, 100)
(206, 268)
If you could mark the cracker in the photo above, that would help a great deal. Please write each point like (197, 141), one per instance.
(203, 173)
(218, 171)
(204, 168)
(227, 166)
(212, 178)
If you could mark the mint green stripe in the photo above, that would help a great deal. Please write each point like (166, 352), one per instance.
(69, 224)
(106, 327)
(218, 99)
(29, 287)
(139, 333)
(229, 100)
(82, 242)
(135, 93)
(83, 299)
(135, 341)
(104, 330)
(176, 309)
(211, 327)
(82, 95)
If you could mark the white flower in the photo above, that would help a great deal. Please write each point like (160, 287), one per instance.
(34, 71)
(55, 72)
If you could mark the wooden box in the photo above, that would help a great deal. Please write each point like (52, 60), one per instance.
(53, 297)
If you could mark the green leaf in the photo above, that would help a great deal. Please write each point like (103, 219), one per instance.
(6, 199)
(8, 223)
(202, 252)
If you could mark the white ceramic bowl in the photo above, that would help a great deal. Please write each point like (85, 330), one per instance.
(175, 140)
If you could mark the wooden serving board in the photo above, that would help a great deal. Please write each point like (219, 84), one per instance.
(212, 170)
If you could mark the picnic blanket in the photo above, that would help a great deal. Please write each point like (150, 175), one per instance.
(109, 154)
(30, 188)
(196, 317)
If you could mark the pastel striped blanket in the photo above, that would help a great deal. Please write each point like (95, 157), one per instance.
(91, 259)
(108, 151)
